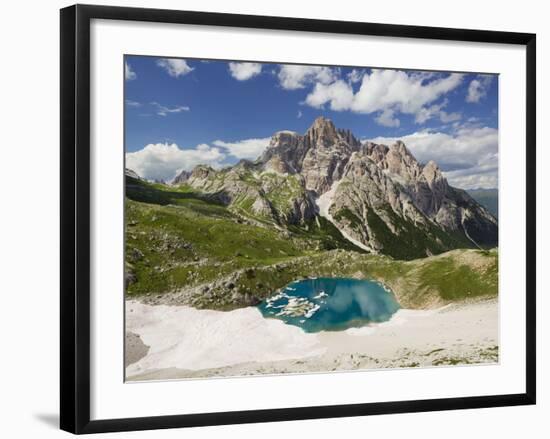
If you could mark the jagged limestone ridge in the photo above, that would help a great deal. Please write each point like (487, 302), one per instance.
(383, 197)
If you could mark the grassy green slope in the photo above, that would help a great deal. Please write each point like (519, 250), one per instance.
(175, 237)
(183, 245)
(452, 276)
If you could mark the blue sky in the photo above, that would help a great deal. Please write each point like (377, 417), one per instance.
(182, 112)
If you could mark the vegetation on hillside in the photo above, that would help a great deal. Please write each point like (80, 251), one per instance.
(186, 247)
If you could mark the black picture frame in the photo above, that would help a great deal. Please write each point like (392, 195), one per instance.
(75, 217)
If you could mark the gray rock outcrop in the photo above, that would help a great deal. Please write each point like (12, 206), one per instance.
(380, 195)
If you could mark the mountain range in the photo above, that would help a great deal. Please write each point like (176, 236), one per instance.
(380, 197)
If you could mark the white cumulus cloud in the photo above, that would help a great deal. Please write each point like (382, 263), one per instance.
(478, 88)
(249, 149)
(387, 92)
(449, 117)
(164, 161)
(436, 110)
(243, 71)
(467, 157)
(386, 118)
(484, 176)
(355, 75)
(338, 95)
(175, 67)
(129, 74)
(292, 77)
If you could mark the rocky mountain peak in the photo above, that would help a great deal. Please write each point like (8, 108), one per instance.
(181, 177)
(434, 177)
(349, 138)
(431, 165)
(400, 147)
(431, 171)
(322, 132)
(401, 153)
(201, 172)
(285, 153)
(377, 153)
(322, 122)
(401, 162)
(377, 195)
(284, 137)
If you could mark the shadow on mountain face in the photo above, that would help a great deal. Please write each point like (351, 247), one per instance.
(137, 190)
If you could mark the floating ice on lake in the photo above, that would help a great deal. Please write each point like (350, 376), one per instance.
(321, 295)
(311, 311)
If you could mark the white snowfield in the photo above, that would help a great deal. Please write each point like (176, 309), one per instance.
(184, 338)
(188, 338)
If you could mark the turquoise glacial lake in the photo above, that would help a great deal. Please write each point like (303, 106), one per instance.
(330, 304)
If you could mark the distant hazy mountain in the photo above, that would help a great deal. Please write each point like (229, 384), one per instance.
(488, 198)
(379, 197)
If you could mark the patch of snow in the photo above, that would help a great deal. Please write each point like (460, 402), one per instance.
(402, 317)
(188, 338)
(311, 311)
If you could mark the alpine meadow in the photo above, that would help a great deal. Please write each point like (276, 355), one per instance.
(297, 219)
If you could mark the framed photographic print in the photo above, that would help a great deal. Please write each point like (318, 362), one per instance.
(305, 218)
